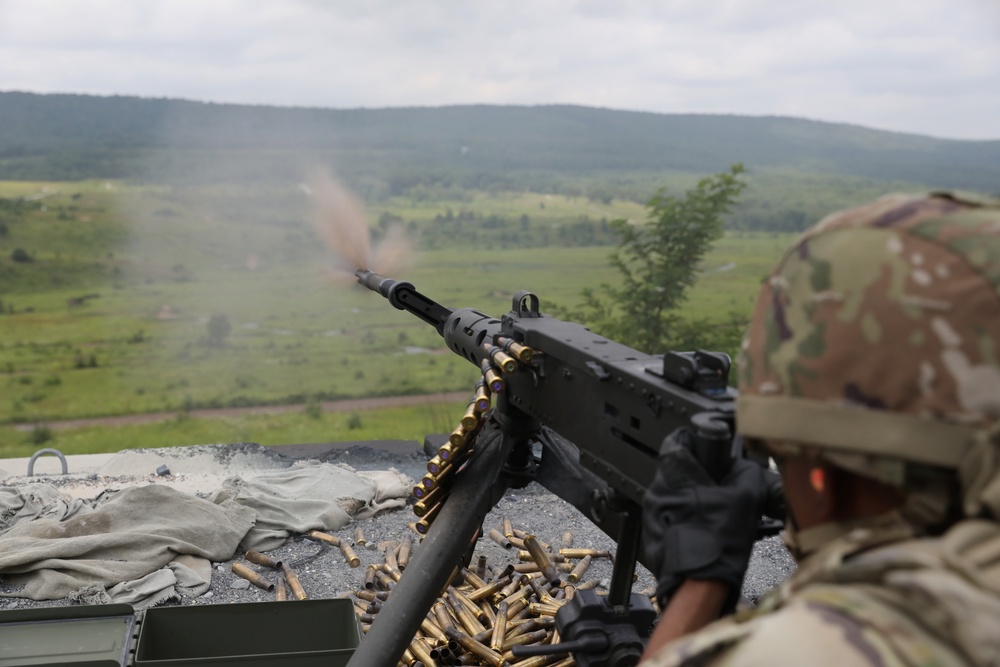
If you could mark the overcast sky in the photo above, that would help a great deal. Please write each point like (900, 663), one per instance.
(924, 66)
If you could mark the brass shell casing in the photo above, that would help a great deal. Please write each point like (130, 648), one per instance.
(580, 553)
(444, 619)
(579, 570)
(430, 628)
(542, 559)
(329, 539)
(487, 591)
(420, 650)
(403, 556)
(525, 555)
(477, 648)
(258, 558)
(241, 570)
(499, 627)
(349, 555)
(567, 539)
(524, 638)
(498, 537)
(294, 584)
(472, 579)
(390, 557)
(384, 580)
(370, 577)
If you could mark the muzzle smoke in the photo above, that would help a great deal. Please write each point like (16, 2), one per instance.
(342, 223)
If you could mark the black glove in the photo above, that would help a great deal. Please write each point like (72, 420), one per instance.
(697, 528)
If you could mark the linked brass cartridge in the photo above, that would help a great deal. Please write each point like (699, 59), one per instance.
(521, 352)
(500, 359)
(471, 417)
(428, 518)
(435, 464)
(493, 380)
(456, 439)
(482, 397)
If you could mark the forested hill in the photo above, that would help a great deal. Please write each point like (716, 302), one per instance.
(75, 136)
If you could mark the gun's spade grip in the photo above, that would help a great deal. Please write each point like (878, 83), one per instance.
(713, 443)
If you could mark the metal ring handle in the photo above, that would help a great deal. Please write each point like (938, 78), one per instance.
(40, 452)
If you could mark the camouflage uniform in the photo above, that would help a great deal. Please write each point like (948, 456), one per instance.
(874, 347)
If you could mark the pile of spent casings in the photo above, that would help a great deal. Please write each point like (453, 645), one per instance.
(488, 609)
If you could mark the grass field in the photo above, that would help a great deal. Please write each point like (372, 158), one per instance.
(152, 267)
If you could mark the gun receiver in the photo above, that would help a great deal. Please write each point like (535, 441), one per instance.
(615, 403)
(600, 411)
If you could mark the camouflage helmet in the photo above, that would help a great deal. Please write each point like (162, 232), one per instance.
(875, 340)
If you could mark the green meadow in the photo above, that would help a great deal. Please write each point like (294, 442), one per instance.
(121, 299)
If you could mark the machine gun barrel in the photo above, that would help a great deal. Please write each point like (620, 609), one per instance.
(404, 296)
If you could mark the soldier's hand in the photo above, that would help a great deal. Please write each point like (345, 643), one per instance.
(695, 527)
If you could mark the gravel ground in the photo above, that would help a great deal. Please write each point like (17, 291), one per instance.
(324, 573)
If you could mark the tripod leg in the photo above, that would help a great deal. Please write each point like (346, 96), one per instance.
(476, 490)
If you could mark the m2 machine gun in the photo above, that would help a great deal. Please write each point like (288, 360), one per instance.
(581, 415)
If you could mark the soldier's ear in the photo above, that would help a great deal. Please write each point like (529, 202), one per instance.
(817, 479)
(823, 484)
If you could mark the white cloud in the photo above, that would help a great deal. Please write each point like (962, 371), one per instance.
(928, 66)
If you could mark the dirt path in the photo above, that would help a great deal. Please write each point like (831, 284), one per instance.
(347, 405)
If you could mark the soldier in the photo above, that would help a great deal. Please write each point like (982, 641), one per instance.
(871, 374)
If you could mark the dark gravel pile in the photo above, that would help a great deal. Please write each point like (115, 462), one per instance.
(324, 573)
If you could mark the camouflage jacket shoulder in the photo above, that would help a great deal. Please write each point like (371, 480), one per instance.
(861, 601)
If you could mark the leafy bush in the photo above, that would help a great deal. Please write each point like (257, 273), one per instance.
(218, 329)
(85, 361)
(21, 255)
(40, 435)
(313, 409)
